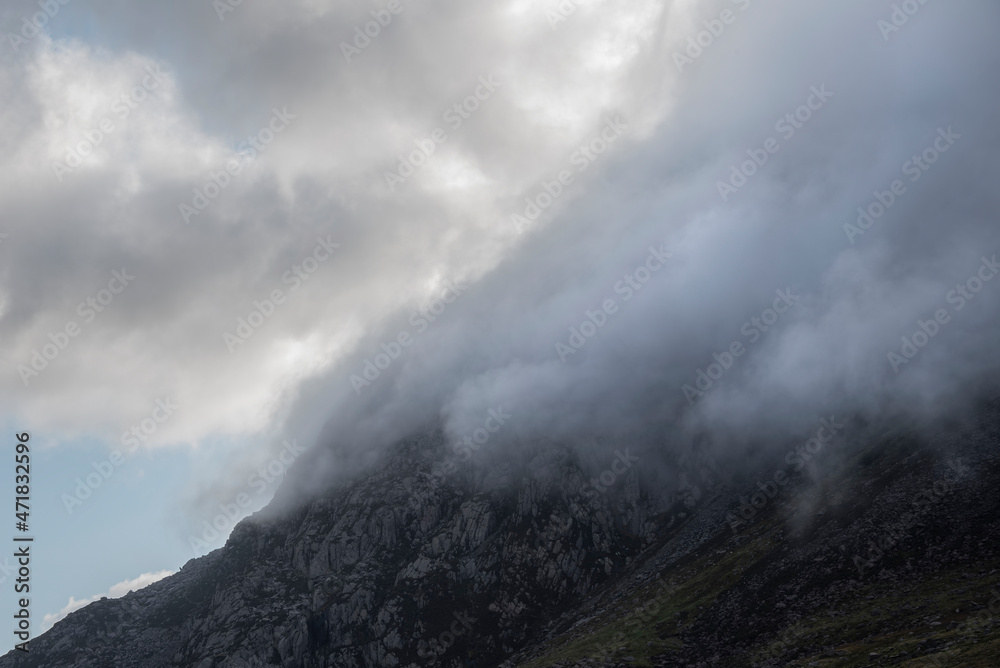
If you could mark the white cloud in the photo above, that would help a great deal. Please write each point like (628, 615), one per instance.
(116, 591)
(322, 176)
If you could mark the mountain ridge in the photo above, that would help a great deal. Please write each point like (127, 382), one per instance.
(523, 564)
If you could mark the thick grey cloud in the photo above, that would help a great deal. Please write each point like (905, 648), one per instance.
(860, 293)
(323, 177)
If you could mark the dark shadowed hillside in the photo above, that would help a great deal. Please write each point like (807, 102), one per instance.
(889, 558)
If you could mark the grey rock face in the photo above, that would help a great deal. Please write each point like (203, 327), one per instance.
(399, 568)
(519, 564)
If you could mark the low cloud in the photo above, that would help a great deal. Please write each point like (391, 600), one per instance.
(543, 203)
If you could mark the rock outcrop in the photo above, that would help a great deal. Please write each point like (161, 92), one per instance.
(887, 553)
(405, 566)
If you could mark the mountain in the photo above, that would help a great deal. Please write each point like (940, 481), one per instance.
(883, 549)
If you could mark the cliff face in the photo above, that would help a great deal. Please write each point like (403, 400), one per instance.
(890, 557)
(398, 568)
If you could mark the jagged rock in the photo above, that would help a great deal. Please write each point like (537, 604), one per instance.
(378, 572)
(502, 566)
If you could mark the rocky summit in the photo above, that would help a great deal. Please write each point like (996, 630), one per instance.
(884, 550)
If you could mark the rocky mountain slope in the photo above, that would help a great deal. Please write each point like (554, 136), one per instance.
(886, 555)
(890, 559)
(402, 567)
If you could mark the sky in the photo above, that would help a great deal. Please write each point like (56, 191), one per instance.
(234, 238)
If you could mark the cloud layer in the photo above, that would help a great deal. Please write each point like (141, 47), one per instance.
(614, 122)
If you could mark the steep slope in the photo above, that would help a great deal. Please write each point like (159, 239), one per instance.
(397, 568)
(891, 559)
(885, 553)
